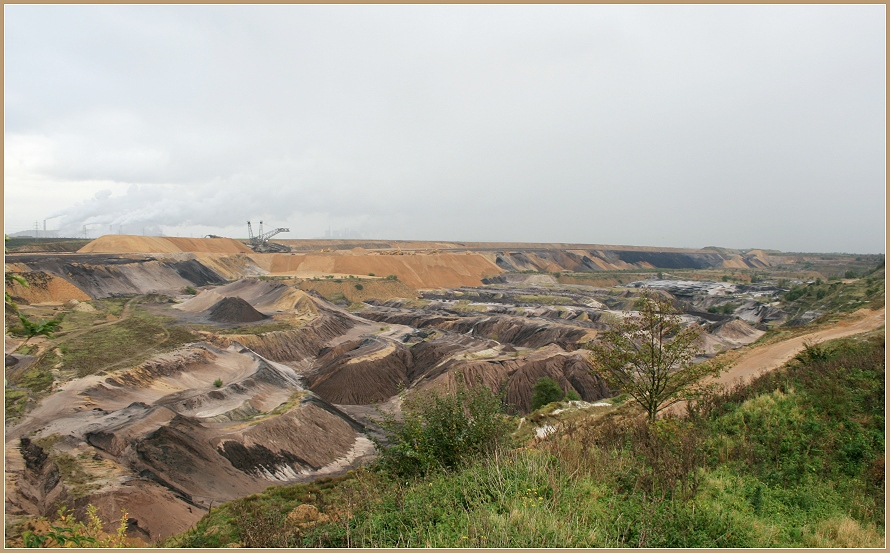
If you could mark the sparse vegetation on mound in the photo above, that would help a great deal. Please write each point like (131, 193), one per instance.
(92, 342)
(257, 329)
(584, 463)
(793, 460)
(356, 290)
(833, 297)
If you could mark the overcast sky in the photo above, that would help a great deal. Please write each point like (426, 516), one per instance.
(688, 126)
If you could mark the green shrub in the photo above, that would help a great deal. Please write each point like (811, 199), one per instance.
(336, 297)
(218, 382)
(392, 277)
(547, 391)
(441, 431)
(359, 287)
(190, 290)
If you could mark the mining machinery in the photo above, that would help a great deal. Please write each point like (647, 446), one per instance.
(260, 242)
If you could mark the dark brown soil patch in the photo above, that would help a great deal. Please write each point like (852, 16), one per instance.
(234, 310)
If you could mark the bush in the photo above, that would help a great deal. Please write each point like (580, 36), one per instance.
(359, 287)
(190, 290)
(392, 277)
(441, 431)
(218, 382)
(547, 391)
(67, 531)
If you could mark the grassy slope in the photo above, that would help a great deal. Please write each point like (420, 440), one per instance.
(793, 460)
(72, 353)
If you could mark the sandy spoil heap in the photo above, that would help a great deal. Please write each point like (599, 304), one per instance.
(122, 243)
(234, 310)
(44, 287)
(264, 296)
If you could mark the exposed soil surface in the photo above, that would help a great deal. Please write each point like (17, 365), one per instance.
(265, 296)
(44, 288)
(772, 356)
(199, 425)
(296, 398)
(234, 310)
(118, 243)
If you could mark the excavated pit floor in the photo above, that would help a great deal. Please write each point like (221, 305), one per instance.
(234, 413)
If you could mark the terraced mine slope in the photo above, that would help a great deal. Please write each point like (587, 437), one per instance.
(192, 372)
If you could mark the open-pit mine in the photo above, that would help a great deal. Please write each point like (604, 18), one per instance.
(190, 372)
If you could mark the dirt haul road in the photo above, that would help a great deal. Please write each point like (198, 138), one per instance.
(772, 356)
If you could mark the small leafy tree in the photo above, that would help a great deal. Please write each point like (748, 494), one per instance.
(7, 299)
(10, 278)
(440, 431)
(31, 329)
(650, 356)
(547, 391)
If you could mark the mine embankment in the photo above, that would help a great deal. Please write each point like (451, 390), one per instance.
(296, 347)
(372, 372)
(102, 276)
(612, 259)
(163, 244)
(265, 296)
(260, 386)
(165, 421)
(517, 375)
(43, 287)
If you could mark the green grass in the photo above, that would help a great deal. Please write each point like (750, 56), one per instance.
(15, 403)
(116, 346)
(793, 460)
(833, 297)
(128, 342)
(78, 481)
(113, 306)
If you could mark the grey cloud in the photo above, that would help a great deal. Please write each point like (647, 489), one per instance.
(663, 125)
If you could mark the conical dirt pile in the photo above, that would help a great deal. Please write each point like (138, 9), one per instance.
(234, 310)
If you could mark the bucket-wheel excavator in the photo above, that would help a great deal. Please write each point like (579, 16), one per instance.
(260, 242)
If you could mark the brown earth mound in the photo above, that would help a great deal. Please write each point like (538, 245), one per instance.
(361, 373)
(265, 296)
(738, 333)
(43, 287)
(121, 243)
(185, 436)
(417, 271)
(379, 289)
(517, 376)
(294, 347)
(234, 310)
